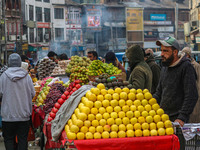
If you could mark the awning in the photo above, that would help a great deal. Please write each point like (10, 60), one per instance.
(115, 24)
(34, 47)
(119, 55)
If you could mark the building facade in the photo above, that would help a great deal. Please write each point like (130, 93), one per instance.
(192, 34)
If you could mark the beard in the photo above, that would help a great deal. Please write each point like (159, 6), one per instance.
(167, 62)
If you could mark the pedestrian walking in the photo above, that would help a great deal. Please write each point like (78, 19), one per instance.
(17, 91)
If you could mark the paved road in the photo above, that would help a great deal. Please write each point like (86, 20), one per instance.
(29, 148)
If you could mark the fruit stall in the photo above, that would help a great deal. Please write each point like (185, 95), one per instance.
(96, 108)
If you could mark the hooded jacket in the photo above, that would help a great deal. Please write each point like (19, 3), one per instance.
(141, 75)
(155, 72)
(195, 117)
(17, 91)
(176, 92)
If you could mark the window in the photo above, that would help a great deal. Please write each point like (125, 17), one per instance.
(58, 13)
(47, 1)
(38, 13)
(38, 0)
(73, 16)
(40, 35)
(31, 33)
(59, 33)
(31, 12)
(47, 16)
(47, 35)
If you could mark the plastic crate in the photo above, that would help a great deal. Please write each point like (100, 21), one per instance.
(193, 144)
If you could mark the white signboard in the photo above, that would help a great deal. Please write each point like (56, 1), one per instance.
(166, 29)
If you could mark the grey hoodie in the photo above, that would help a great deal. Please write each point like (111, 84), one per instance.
(17, 90)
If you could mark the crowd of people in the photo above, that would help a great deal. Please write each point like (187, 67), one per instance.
(175, 85)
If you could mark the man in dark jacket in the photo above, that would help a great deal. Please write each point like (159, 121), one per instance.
(141, 75)
(176, 92)
(149, 59)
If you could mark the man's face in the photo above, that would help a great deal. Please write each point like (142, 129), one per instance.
(52, 58)
(26, 60)
(91, 56)
(167, 55)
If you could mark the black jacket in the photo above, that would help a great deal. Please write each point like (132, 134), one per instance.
(176, 92)
(155, 72)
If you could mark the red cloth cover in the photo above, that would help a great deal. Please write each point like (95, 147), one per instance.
(37, 116)
(49, 143)
(138, 143)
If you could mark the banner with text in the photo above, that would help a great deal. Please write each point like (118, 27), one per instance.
(134, 19)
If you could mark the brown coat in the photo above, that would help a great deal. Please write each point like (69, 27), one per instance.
(195, 116)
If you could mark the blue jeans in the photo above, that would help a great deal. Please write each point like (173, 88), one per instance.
(13, 129)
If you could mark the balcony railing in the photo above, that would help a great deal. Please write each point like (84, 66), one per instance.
(12, 13)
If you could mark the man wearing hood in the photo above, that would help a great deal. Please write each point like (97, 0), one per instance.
(149, 59)
(141, 74)
(17, 91)
(194, 117)
(176, 92)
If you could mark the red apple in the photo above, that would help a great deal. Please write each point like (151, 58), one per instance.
(52, 114)
(64, 97)
(54, 110)
(66, 93)
(57, 105)
(74, 89)
(77, 81)
(61, 101)
(49, 119)
(108, 127)
(68, 96)
(71, 92)
(78, 86)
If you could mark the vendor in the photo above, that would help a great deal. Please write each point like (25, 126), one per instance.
(111, 58)
(92, 55)
(53, 56)
(63, 56)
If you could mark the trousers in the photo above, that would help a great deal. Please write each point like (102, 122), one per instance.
(13, 129)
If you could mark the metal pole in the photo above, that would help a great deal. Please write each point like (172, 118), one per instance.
(97, 44)
(111, 30)
(5, 36)
(176, 20)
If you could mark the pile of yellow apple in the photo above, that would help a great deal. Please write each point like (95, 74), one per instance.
(117, 113)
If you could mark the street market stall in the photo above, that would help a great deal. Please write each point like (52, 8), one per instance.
(97, 109)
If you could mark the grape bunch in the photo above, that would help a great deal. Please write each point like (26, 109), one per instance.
(58, 86)
(54, 94)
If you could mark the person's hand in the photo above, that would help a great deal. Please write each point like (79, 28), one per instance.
(180, 122)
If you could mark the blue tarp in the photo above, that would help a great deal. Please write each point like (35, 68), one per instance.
(120, 55)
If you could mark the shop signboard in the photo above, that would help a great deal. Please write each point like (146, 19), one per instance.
(166, 29)
(197, 38)
(150, 34)
(134, 26)
(187, 29)
(43, 25)
(157, 17)
(25, 47)
(162, 36)
(93, 16)
(157, 22)
(134, 19)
